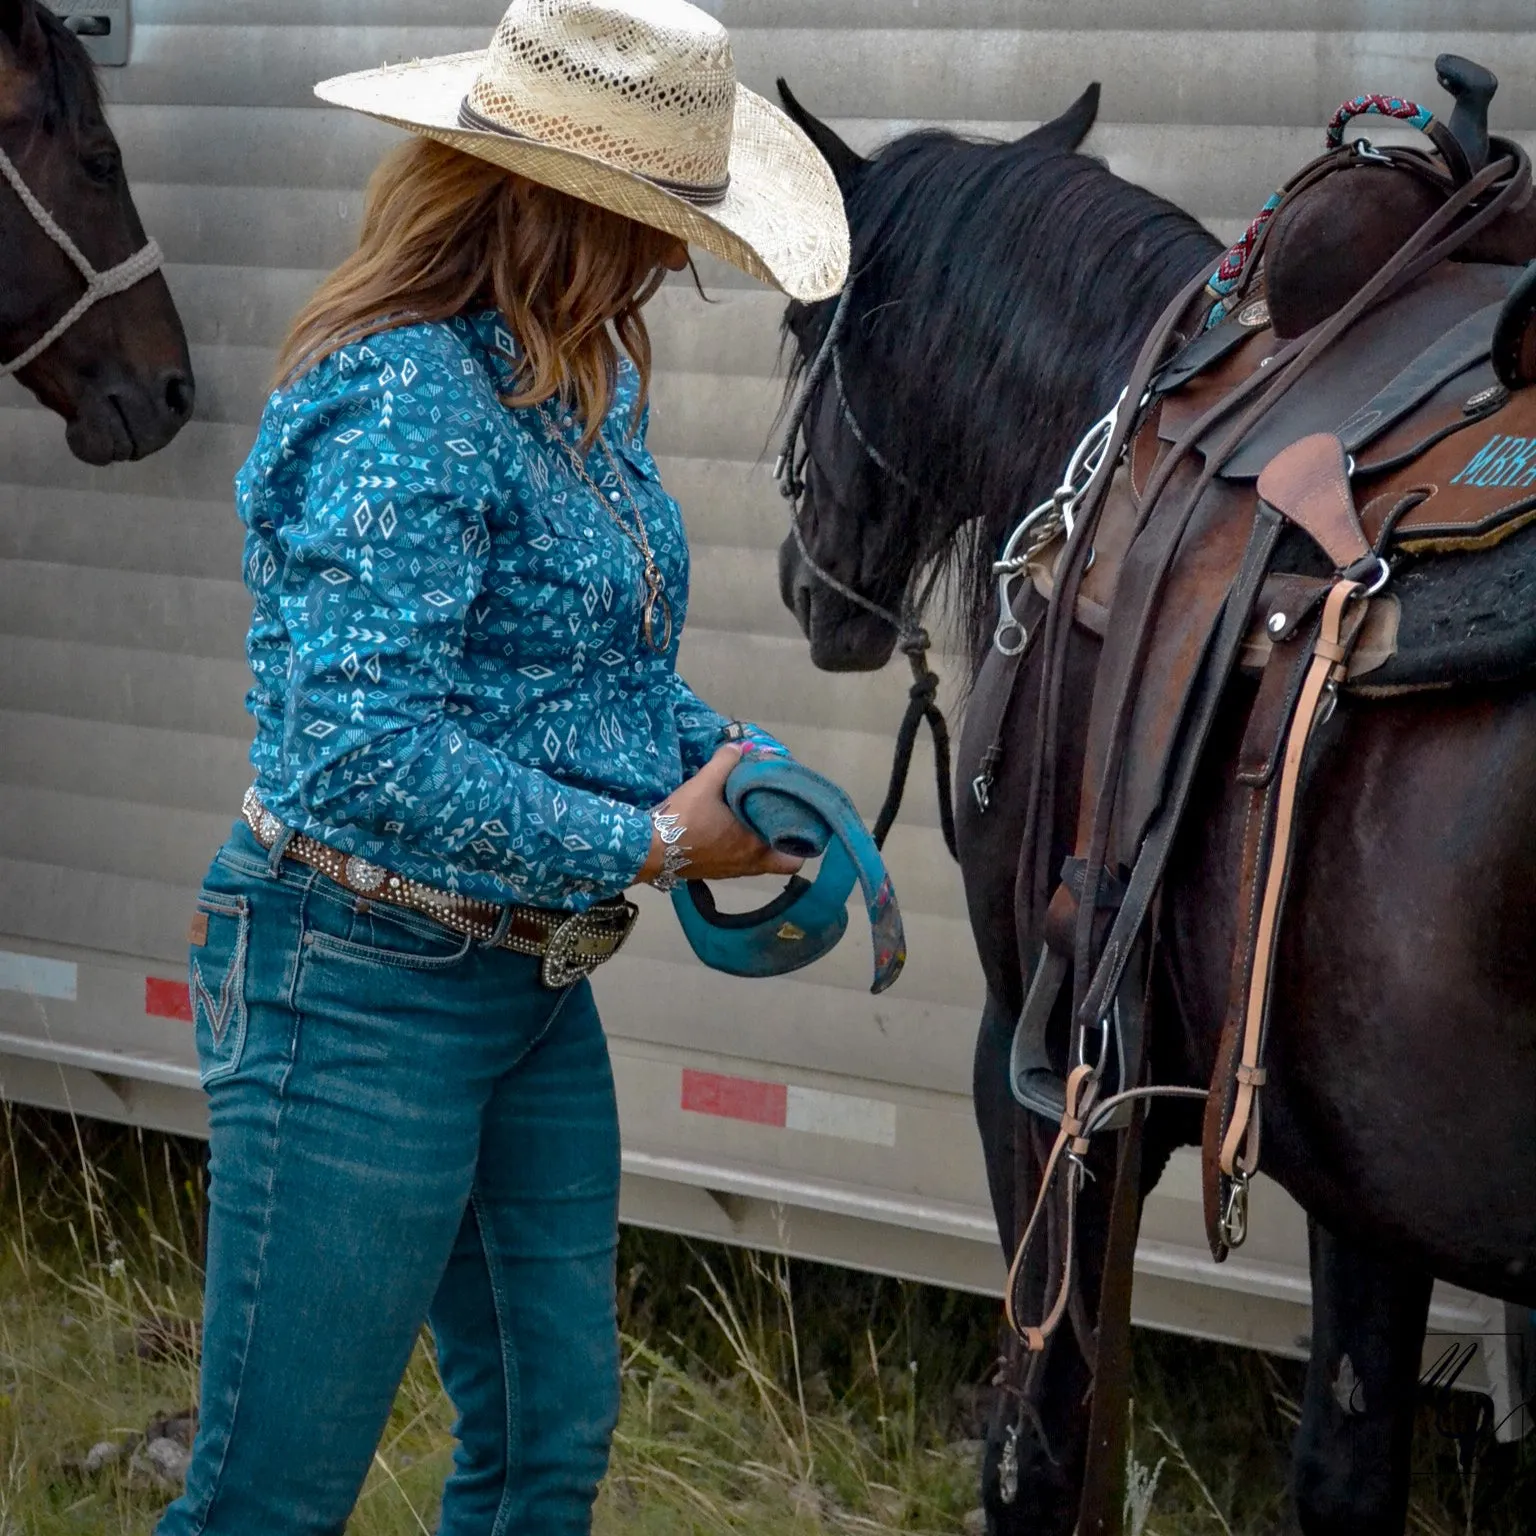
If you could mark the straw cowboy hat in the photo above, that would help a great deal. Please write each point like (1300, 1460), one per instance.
(632, 105)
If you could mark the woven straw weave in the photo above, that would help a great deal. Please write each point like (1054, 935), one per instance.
(632, 105)
(648, 87)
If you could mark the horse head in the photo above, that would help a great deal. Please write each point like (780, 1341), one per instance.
(119, 373)
(868, 468)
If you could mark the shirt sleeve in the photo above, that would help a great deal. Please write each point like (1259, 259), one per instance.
(700, 729)
(384, 560)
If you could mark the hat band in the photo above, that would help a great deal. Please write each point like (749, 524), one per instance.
(692, 192)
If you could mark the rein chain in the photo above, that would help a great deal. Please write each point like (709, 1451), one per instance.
(98, 285)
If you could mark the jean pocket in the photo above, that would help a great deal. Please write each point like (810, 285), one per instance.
(216, 981)
(374, 933)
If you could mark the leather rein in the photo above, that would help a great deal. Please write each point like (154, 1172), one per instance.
(912, 639)
(98, 285)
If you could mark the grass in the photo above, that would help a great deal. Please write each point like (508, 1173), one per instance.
(760, 1395)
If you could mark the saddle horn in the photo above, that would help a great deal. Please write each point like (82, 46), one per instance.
(1472, 88)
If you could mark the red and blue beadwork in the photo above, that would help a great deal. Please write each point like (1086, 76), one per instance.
(1232, 265)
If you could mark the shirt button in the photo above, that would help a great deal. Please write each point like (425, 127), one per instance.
(613, 495)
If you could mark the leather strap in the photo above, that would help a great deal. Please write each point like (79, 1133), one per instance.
(571, 944)
(1101, 1511)
(1467, 342)
(1157, 845)
(1309, 484)
(1081, 1091)
(1269, 823)
(1514, 335)
(1330, 654)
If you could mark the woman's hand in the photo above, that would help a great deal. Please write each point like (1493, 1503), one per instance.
(718, 844)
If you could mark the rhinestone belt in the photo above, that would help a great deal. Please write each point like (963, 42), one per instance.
(571, 944)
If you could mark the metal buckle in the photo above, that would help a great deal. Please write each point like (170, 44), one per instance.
(584, 941)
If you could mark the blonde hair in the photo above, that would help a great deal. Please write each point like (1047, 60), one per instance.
(444, 231)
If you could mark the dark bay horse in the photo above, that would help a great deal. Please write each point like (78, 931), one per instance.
(998, 296)
(118, 371)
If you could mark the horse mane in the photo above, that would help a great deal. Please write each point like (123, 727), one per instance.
(1000, 294)
(70, 85)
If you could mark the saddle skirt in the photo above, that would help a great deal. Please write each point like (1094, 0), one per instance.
(1455, 477)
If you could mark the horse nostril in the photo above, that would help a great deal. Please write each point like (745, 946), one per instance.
(179, 394)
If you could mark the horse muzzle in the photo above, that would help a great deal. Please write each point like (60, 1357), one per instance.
(125, 418)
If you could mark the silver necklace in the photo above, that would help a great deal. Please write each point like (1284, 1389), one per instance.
(657, 610)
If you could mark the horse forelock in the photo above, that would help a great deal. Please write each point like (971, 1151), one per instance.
(1001, 291)
(70, 86)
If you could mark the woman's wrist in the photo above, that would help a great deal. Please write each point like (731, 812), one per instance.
(669, 832)
(668, 855)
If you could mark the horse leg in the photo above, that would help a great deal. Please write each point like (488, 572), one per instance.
(1350, 1472)
(1045, 1500)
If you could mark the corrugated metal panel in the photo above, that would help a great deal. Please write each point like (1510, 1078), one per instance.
(122, 736)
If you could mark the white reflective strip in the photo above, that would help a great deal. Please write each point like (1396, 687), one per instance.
(841, 1114)
(37, 975)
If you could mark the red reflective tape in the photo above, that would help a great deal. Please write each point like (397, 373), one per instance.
(167, 999)
(734, 1098)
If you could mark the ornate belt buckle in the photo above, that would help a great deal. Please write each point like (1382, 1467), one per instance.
(584, 941)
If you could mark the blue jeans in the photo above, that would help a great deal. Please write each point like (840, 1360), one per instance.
(405, 1126)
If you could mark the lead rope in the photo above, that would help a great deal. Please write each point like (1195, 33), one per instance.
(98, 285)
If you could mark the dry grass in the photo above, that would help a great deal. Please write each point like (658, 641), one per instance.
(759, 1396)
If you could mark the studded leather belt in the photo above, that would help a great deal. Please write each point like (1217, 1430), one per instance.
(570, 944)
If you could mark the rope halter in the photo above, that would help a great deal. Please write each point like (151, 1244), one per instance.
(98, 285)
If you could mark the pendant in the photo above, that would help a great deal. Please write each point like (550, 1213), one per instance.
(656, 598)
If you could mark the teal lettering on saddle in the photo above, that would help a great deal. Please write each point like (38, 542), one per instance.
(1502, 462)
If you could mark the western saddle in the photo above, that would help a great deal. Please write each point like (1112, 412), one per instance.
(1238, 522)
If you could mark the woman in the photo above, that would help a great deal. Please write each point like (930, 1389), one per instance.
(470, 740)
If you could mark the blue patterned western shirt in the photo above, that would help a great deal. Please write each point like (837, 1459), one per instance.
(449, 674)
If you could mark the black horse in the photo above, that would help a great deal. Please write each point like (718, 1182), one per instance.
(118, 374)
(998, 296)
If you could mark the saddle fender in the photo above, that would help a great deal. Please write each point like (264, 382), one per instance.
(796, 811)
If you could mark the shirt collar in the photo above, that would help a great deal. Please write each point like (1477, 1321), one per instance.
(492, 337)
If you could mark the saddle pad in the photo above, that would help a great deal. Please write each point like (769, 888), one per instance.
(1375, 349)
(1464, 622)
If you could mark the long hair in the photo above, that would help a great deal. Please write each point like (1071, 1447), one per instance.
(443, 231)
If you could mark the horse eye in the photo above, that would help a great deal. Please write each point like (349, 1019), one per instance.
(102, 168)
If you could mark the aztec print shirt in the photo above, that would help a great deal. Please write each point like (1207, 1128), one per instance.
(449, 675)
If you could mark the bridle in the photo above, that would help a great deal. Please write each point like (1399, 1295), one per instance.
(912, 639)
(98, 285)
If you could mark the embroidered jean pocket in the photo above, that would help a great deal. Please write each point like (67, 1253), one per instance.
(221, 931)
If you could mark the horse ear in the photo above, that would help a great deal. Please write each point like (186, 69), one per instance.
(845, 162)
(1069, 130)
(21, 34)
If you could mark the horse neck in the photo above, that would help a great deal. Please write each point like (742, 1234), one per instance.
(1048, 353)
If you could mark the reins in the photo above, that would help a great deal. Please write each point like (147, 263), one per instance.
(98, 285)
(912, 639)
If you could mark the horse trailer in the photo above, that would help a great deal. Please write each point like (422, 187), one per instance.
(802, 1115)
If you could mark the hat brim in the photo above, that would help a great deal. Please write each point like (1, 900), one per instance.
(781, 219)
